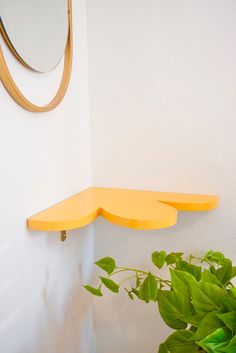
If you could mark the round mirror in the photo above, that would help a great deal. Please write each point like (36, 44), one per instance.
(36, 31)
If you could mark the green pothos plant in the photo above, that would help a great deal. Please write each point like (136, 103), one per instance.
(198, 300)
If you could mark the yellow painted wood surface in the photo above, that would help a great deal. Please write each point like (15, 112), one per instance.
(129, 208)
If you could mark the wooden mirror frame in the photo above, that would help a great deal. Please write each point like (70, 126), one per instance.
(16, 93)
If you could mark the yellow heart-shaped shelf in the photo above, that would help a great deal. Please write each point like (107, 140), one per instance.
(129, 208)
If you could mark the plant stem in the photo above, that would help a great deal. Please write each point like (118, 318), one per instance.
(137, 271)
(200, 259)
(126, 279)
(143, 272)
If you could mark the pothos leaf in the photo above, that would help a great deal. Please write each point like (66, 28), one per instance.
(110, 284)
(208, 324)
(163, 348)
(179, 342)
(233, 292)
(234, 271)
(231, 347)
(180, 282)
(107, 264)
(215, 256)
(209, 277)
(229, 303)
(206, 297)
(94, 291)
(229, 320)
(193, 269)
(158, 258)
(174, 258)
(217, 340)
(225, 273)
(173, 308)
(193, 320)
(148, 289)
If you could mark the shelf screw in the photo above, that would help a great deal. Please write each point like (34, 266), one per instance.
(63, 235)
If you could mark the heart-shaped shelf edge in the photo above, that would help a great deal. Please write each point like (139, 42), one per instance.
(136, 209)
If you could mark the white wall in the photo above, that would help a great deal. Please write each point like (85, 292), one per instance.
(162, 102)
(44, 159)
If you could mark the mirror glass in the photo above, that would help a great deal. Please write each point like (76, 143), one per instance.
(36, 31)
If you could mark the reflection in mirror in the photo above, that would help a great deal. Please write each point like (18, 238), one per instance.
(36, 31)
